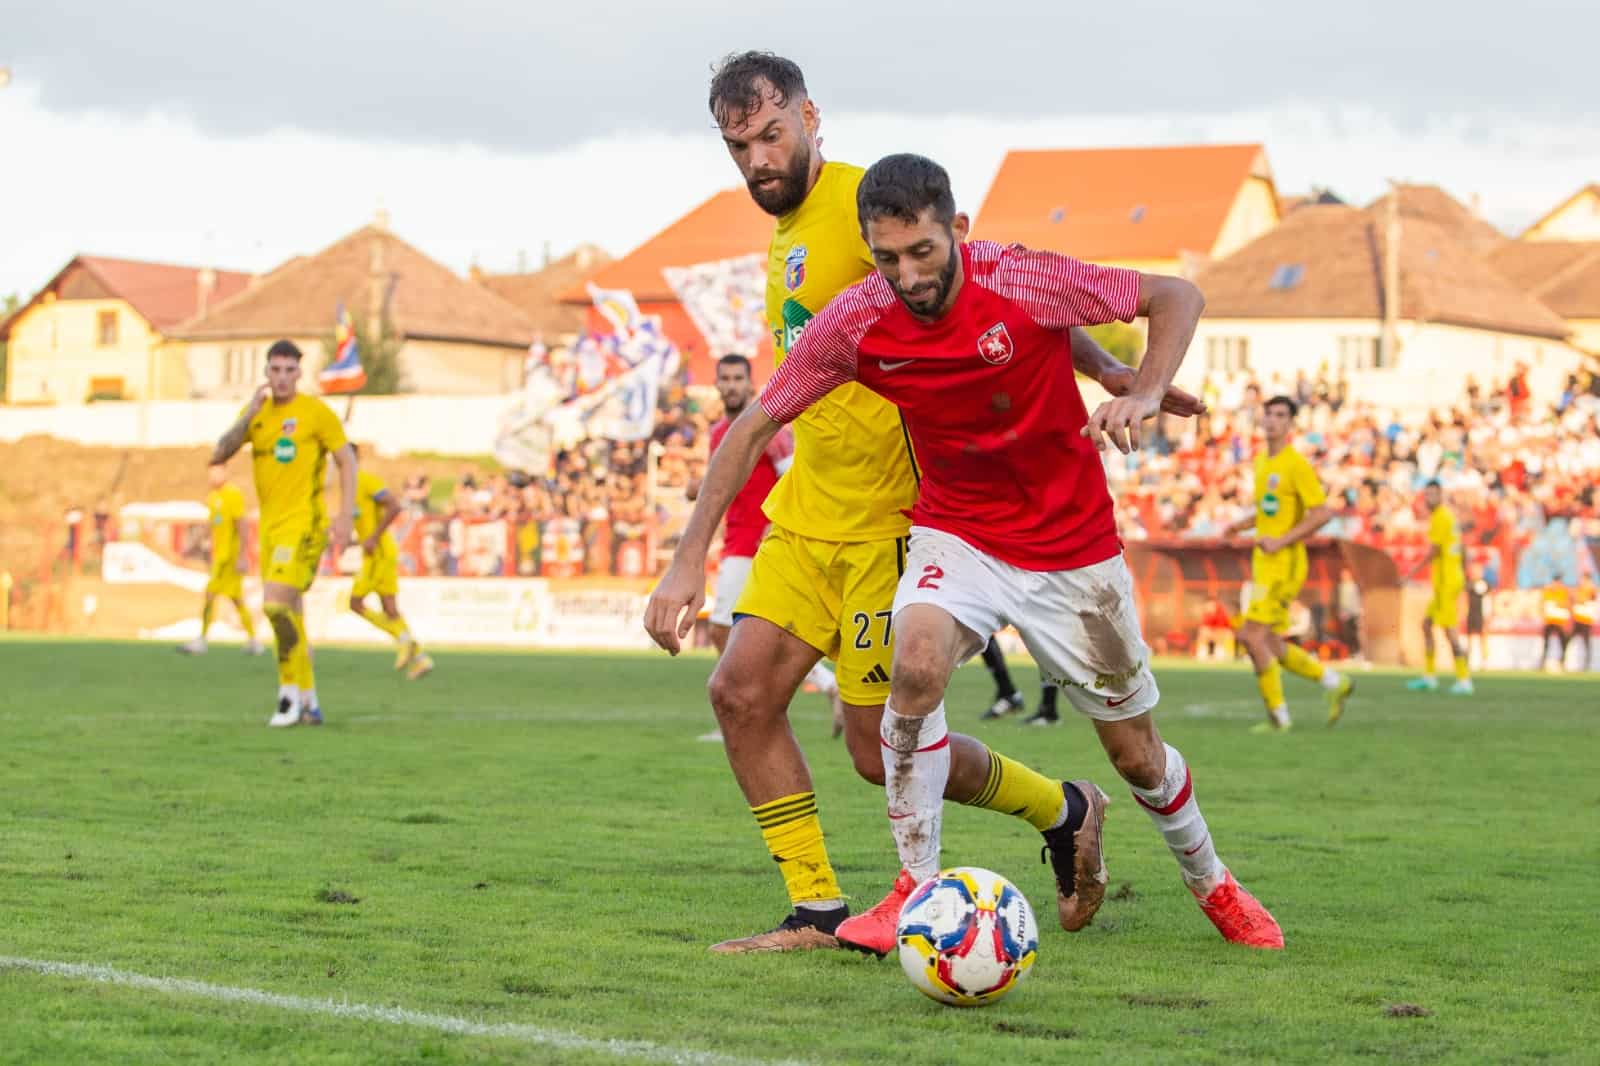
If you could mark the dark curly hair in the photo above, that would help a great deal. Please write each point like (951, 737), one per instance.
(736, 91)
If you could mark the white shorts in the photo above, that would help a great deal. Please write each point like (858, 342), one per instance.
(1081, 626)
(732, 572)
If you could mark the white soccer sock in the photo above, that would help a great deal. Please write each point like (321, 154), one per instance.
(1176, 812)
(823, 678)
(1331, 678)
(308, 698)
(916, 767)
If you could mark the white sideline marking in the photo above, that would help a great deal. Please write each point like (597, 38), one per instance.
(444, 1023)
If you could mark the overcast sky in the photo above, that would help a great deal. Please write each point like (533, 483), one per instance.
(241, 133)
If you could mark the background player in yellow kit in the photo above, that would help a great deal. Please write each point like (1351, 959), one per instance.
(290, 439)
(226, 506)
(1290, 505)
(376, 510)
(1449, 581)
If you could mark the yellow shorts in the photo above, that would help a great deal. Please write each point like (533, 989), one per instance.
(226, 581)
(836, 597)
(379, 573)
(1275, 583)
(290, 556)
(1444, 608)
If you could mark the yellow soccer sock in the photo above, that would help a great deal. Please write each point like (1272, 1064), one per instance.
(1462, 673)
(205, 617)
(281, 619)
(304, 677)
(1301, 663)
(246, 623)
(1014, 789)
(396, 627)
(1427, 663)
(1270, 681)
(793, 833)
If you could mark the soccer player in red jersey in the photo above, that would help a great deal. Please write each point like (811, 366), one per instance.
(1013, 522)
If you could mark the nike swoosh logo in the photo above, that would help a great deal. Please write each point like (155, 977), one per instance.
(898, 817)
(893, 366)
(1125, 699)
(1197, 847)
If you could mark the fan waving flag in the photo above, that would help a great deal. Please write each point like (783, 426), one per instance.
(345, 374)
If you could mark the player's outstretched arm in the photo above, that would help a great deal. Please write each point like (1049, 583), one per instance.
(231, 441)
(1173, 307)
(345, 457)
(670, 614)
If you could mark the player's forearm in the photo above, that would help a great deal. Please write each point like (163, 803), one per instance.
(231, 441)
(1314, 520)
(1088, 358)
(391, 511)
(729, 469)
(1242, 525)
(1173, 308)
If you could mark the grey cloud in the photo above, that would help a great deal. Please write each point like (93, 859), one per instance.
(528, 77)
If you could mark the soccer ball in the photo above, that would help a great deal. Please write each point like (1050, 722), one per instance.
(967, 937)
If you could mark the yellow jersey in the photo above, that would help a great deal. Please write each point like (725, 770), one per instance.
(290, 443)
(370, 494)
(1442, 534)
(1286, 488)
(227, 507)
(853, 475)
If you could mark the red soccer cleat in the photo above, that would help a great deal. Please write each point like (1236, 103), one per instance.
(875, 931)
(1240, 917)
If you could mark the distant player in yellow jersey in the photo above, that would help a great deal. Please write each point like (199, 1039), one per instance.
(1290, 506)
(226, 506)
(376, 510)
(822, 583)
(1449, 582)
(290, 441)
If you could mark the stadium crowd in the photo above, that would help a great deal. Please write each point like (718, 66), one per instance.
(1520, 471)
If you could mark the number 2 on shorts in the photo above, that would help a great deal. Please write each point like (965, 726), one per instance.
(931, 576)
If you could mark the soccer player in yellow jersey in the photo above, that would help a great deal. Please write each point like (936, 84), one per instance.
(823, 580)
(1449, 581)
(290, 439)
(226, 506)
(1290, 506)
(376, 510)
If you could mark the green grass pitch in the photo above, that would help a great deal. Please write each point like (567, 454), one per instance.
(539, 840)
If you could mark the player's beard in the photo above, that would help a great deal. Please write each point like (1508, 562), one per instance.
(790, 192)
(933, 299)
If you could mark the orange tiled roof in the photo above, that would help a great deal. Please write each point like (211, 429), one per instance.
(426, 299)
(726, 225)
(538, 294)
(163, 294)
(1563, 275)
(1327, 262)
(1118, 203)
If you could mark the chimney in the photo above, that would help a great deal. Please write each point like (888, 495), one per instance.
(1389, 338)
(585, 256)
(546, 253)
(206, 283)
(380, 220)
(377, 282)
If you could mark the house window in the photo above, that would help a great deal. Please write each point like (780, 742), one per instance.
(1360, 353)
(1286, 276)
(107, 329)
(1228, 355)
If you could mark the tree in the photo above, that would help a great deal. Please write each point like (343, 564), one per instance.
(380, 357)
(1124, 342)
(8, 307)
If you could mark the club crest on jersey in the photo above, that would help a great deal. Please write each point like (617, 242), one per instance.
(1272, 481)
(995, 345)
(288, 426)
(794, 267)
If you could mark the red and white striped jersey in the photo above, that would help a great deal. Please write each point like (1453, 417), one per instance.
(988, 395)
